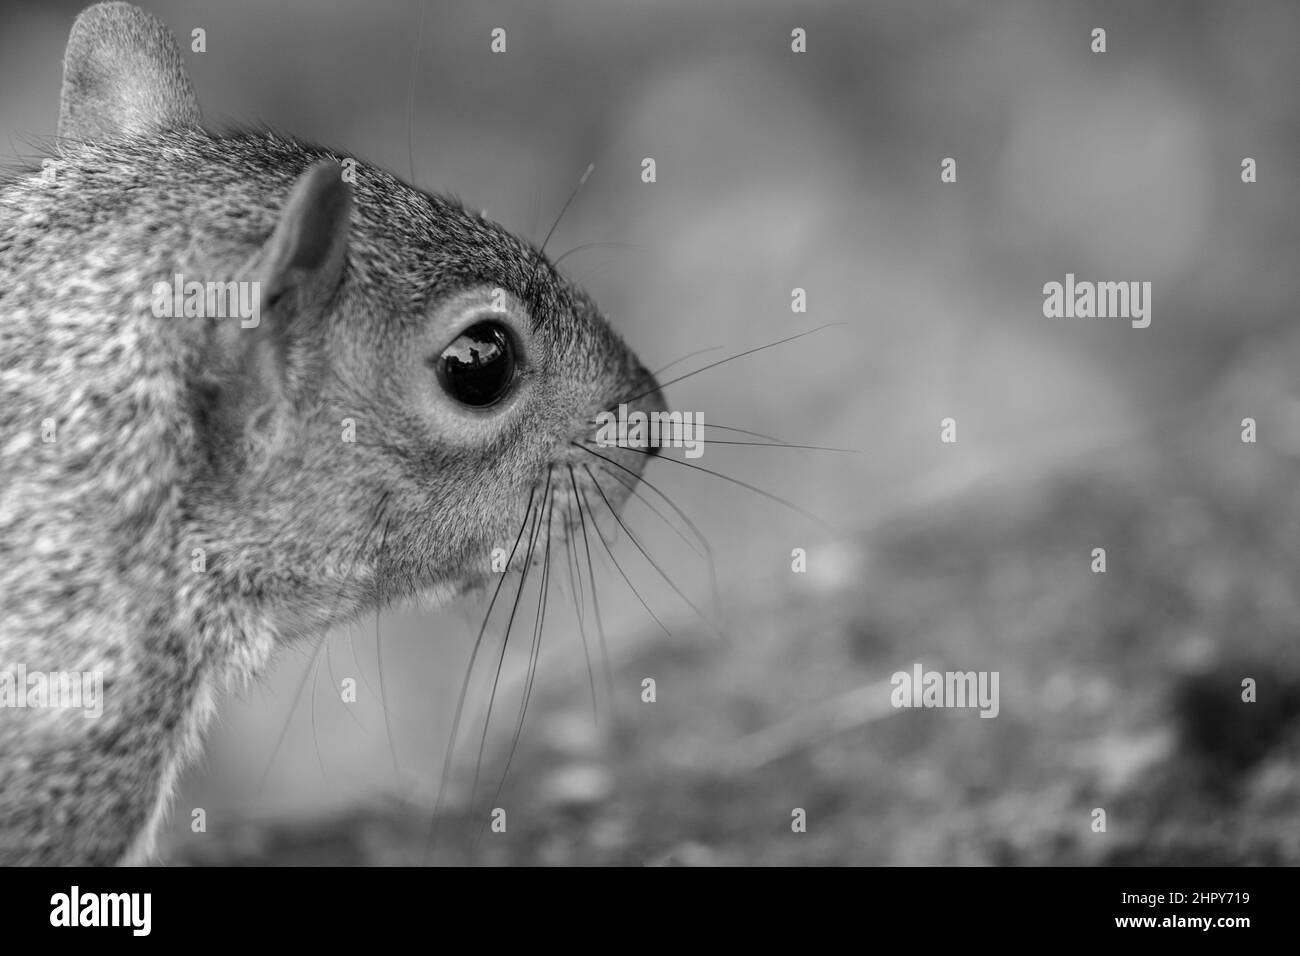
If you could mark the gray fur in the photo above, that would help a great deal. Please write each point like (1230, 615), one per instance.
(176, 434)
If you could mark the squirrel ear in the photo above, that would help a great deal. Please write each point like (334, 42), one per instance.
(122, 75)
(297, 271)
(306, 252)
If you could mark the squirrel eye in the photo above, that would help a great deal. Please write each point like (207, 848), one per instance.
(479, 367)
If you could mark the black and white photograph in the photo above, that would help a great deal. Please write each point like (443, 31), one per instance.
(596, 433)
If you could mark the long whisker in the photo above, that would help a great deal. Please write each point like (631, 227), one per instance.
(535, 655)
(539, 622)
(469, 671)
(575, 585)
(315, 677)
(293, 708)
(741, 431)
(725, 428)
(352, 649)
(334, 682)
(743, 484)
(654, 564)
(595, 600)
(610, 551)
(689, 355)
(496, 681)
(730, 358)
(541, 251)
(699, 535)
(765, 444)
(582, 181)
(379, 664)
(632, 489)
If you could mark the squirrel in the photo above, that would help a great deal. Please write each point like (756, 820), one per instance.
(182, 494)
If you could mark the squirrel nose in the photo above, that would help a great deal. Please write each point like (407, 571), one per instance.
(617, 434)
(649, 399)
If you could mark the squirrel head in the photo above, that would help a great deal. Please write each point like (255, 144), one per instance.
(406, 387)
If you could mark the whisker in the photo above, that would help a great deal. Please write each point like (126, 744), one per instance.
(610, 551)
(575, 585)
(464, 686)
(293, 708)
(743, 484)
(731, 358)
(315, 677)
(645, 376)
(534, 658)
(654, 564)
(699, 535)
(761, 444)
(539, 622)
(632, 489)
(383, 698)
(595, 601)
(582, 181)
(689, 355)
(379, 663)
(496, 679)
(725, 428)
(505, 642)
(334, 682)
(537, 200)
(352, 649)
(741, 431)
(541, 251)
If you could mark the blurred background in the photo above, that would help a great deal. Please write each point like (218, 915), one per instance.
(821, 171)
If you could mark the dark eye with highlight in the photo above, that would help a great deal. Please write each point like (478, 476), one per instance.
(479, 367)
